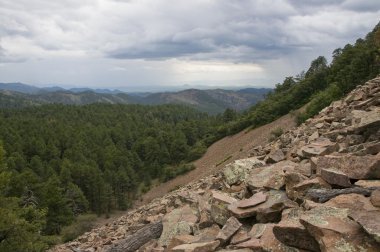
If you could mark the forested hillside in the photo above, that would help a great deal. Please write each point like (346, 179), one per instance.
(60, 161)
(321, 84)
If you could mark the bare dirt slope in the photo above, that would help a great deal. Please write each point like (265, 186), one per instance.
(236, 147)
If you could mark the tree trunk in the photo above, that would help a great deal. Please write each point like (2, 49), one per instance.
(139, 238)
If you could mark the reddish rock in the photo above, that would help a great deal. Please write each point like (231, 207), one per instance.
(292, 179)
(271, 177)
(270, 210)
(239, 237)
(334, 231)
(300, 190)
(253, 243)
(229, 229)
(355, 167)
(222, 197)
(375, 198)
(292, 233)
(197, 247)
(256, 199)
(257, 230)
(368, 183)
(320, 147)
(353, 202)
(275, 156)
(370, 221)
(335, 177)
(179, 240)
(207, 234)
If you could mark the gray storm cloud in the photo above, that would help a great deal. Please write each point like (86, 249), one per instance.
(42, 41)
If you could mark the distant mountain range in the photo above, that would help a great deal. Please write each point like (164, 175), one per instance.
(212, 101)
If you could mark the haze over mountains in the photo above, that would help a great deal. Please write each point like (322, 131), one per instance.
(211, 101)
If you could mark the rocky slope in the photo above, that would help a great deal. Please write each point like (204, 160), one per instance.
(316, 188)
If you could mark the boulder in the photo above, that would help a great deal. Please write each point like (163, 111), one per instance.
(375, 198)
(178, 222)
(238, 171)
(369, 220)
(270, 210)
(319, 147)
(368, 183)
(229, 229)
(197, 247)
(353, 202)
(257, 230)
(292, 179)
(256, 199)
(335, 177)
(355, 167)
(334, 231)
(362, 120)
(292, 233)
(271, 176)
(275, 156)
(239, 237)
(220, 213)
(222, 197)
(300, 190)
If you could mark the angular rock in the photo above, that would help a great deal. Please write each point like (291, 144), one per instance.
(355, 167)
(368, 183)
(353, 202)
(257, 230)
(363, 120)
(229, 229)
(238, 171)
(253, 243)
(177, 222)
(301, 189)
(335, 177)
(321, 146)
(220, 213)
(334, 231)
(207, 234)
(375, 198)
(292, 179)
(197, 247)
(271, 176)
(370, 221)
(275, 156)
(292, 233)
(256, 199)
(179, 240)
(222, 197)
(239, 237)
(270, 210)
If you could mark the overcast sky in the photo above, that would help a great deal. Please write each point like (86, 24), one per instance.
(120, 43)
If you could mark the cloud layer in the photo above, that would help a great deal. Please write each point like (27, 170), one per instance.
(83, 42)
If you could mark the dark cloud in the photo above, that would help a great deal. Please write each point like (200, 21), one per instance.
(287, 32)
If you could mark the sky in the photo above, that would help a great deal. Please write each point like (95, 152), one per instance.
(156, 43)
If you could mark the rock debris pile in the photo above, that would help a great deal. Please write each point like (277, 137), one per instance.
(315, 188)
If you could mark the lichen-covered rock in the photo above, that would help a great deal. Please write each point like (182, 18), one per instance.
(238, 171)
(271, 177)
(355, 167)
(334, 231)
(177, 222)
(229, 229)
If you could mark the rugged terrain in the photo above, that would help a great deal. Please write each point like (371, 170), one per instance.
(315, 188)
(212, 101)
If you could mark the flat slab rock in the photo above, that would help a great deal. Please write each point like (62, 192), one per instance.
(239, 170)
(271, 177)
(355, 167)
(256, 199)
(370, 221)
(320, 147)
(334, 231)
(275, 203)
(197, 247)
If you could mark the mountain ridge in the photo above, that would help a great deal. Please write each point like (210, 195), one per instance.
(212, 101)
